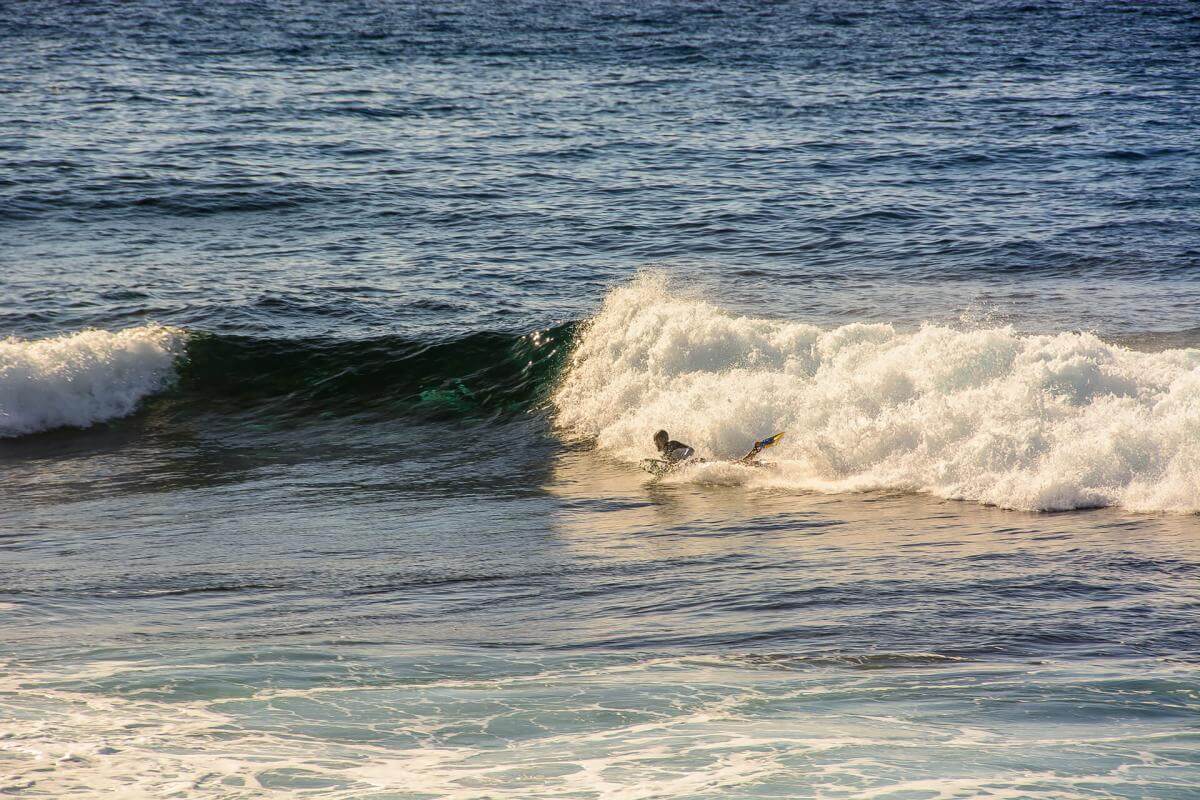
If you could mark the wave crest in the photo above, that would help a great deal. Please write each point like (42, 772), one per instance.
(1033, 422)
(82, 378)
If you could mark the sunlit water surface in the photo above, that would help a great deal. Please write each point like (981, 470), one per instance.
(364, 519)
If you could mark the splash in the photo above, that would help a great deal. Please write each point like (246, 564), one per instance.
(1032, 422)
(82, 378)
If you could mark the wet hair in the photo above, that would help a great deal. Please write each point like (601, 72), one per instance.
(660, 439)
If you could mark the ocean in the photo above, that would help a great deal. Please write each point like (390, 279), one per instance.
(334, 333)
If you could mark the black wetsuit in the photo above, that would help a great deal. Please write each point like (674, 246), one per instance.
(674, 452)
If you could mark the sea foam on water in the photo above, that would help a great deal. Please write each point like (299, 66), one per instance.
(1035, 422)
(82, 378)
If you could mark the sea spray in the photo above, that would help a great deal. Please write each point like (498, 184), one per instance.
(82, 378)
(1035, 422)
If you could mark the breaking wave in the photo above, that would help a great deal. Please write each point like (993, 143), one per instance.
(82, 378)
(1033, 422)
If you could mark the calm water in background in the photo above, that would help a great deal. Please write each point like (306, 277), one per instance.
(341, 548)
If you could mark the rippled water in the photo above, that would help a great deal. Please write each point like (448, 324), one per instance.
(339, 330)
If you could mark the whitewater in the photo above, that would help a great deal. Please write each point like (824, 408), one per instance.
(1033, 422)
(79, 379)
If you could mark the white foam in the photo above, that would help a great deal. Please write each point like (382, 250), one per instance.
(82, 378)
(665, 728)
(1035, 422)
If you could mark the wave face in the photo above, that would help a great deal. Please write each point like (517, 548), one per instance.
(472, 375)
(82, 378)
(1033, 422)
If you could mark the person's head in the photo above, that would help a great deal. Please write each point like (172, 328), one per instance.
(660, 440)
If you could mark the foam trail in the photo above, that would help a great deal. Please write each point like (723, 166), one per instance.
(82, 378)
(1035, 422)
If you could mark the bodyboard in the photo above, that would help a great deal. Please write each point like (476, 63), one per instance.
(656, 467)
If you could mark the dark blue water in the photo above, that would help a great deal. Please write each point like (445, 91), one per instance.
(339, 330)
(355, 168)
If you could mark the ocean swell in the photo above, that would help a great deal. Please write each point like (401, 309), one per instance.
(1034, 422)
